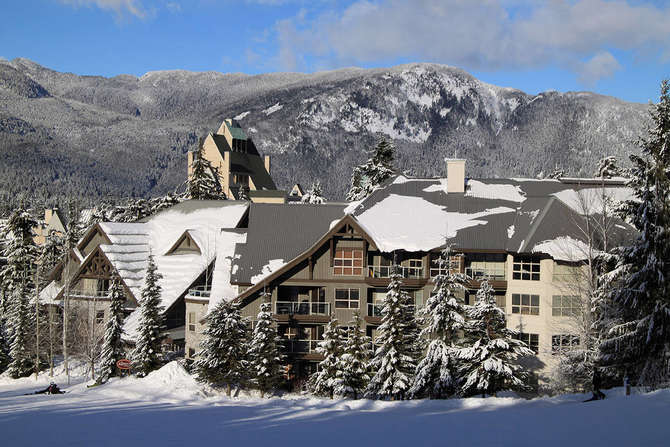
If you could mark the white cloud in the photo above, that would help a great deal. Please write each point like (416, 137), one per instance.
(483, 35)
(120, 7)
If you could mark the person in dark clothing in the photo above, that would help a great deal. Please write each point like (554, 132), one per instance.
(51, 389)
(596, 382)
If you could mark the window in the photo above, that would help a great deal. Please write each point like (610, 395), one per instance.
(103, 285)
(415, 269)
(526, 268)
(454, 265)
(240, 179)
(191, 321)
(532, 340)
(191, 352)
(100, 317)
(566, 305)
(563, 342)
(525, 304)
(348, 261)
(346, 298)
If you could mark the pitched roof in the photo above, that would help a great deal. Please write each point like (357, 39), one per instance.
(278, 233)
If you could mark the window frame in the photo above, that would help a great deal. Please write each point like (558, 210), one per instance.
(566, 342)
(344, 265)
(191, 322)
(518, 305)
(528, 338)
(348, 300)
(526, 268)
(566, 311)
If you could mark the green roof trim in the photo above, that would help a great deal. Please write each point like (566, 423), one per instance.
(236, 132)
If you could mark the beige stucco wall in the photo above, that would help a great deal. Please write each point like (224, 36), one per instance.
(194, 338)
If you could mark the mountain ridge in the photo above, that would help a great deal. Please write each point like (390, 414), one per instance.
(128, 135)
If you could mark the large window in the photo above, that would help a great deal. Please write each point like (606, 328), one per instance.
(563, 342)
(346, 298)
(348, 262)
(525, 304)
(100, 317)
(526, 268)
(566, 305)
(532, 340)
(453, 265)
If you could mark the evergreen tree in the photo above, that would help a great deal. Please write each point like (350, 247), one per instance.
(4, 347)
(19, 286)
(490, 363)
(637, 342)
(51, 252)
(324, 381)
(244, 193)
(370, 175)
(223, 356)
(557, 173)
(314, 194)
(394, 362)
(146, 357)
(352, 365)
(112, 346)
(608, 167)
(203, 182)
(437, 373)
(264, 352)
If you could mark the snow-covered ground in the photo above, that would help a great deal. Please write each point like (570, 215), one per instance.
(168, 408)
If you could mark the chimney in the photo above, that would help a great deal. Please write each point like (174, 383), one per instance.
(455, 175)
(267, 163)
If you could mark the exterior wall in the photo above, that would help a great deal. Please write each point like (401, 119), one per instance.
(96, 240)
(194, 338)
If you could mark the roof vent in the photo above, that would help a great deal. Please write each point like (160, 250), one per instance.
(455, 175)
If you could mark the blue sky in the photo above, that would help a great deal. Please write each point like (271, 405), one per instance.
(614, 47)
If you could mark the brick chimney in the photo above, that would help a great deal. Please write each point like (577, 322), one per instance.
(455, 175)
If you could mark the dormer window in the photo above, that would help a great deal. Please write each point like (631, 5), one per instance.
(239, 145)
(185, 244)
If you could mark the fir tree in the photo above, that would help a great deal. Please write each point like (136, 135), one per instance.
(324, 381)
(202, 183)
(112, 346)
(352, 366)
(51, 253)
(314, 194)
(223, 356)
(4, 346)
(490, 363)
(264, 353)
(370, 175)
(18, 284)
(437, 373)
(637, 342)
(394, 362)
(146, 356)
(608, 167)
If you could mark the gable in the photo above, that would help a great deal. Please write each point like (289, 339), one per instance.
(185, 244)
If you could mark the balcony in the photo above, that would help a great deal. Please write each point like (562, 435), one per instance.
(91, 294)
(301, 346)
(199, 292)
(375, 310)
(479, 274)
(301, 308)
(385, 271)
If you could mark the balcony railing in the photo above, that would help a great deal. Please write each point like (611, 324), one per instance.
(88, 293)
(200, 292)
(302, 308)
(482, 274)
(375, 310)
(385, 271)
(301, 346)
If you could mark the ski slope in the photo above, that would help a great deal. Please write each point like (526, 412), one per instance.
(168, 408)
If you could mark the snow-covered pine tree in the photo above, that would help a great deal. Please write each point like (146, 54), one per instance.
(18, 283)
(223, 358)
(557, 173)
(489, 365)
(112, 345)
(395, 360)
(637, 342)
(146, 356)
(4, 347)
(323, 382)
(243, 193)
(314, 194)
(51, 252)
(264, 352)
(608, 167)
(202, 183)
(437, 373)
(376, 170)
(352, 366)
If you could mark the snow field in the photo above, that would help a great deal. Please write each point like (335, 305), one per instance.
(168, 408)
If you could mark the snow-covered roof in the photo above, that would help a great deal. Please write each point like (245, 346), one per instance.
(131, 244)
(513, 215)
